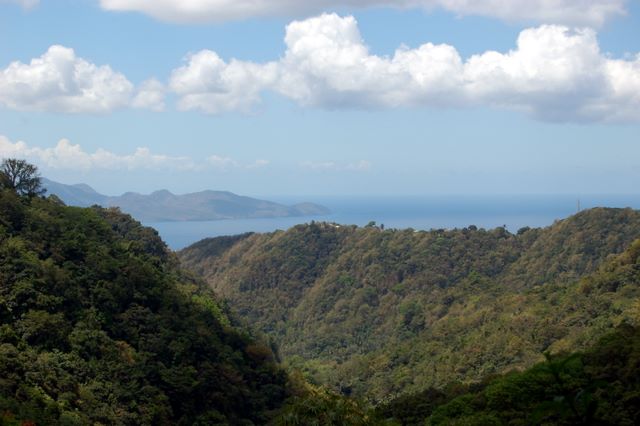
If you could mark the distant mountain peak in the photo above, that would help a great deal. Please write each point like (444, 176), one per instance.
(165, 206)
(162, 193)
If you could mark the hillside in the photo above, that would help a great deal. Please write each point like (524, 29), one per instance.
(377, 313)
(598, 386)
(98, 325)
(163, 206)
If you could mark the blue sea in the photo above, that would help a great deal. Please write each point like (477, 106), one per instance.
(418, 212)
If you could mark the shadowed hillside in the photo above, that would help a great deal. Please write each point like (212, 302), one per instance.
(98, 325)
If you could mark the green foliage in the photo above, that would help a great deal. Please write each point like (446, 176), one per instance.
(378, 313)
(600, 386)
(98, 325)
(319, 407)
(21, 177)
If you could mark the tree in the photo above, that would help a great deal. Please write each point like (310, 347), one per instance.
(21, 177)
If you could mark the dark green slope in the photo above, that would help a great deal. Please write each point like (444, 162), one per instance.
(600, 386)
(98, 325)
(380, 312)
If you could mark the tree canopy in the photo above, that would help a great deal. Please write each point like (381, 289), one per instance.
(377, 313)
(98, 325)
(21, 177)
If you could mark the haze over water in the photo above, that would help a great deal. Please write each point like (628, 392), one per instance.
(417, 212)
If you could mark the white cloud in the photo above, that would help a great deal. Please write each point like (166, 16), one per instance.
(60, 81)
(574, 12)
(327, 64)
(212, 85)
(150, 95)
(66, 155)
(222, 163)
(554, 74)
(69, 156)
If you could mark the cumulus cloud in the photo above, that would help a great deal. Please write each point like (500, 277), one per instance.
(66, 155)
(150, 95)
(210, 84)
(60, 81)
(554, 73)
(580, 12)
(328, 64)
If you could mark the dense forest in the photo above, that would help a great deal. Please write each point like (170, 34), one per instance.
(101, 325)
(378, 313)
(98, 325)
(599, 386)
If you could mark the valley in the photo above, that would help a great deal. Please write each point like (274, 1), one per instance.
(323, 323)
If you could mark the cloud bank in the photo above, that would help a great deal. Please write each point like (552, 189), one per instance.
(572, 12)
(68, 156)
(60, 81)
(209, 84)
(554, 74)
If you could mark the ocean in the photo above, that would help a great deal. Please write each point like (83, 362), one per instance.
(417, 212)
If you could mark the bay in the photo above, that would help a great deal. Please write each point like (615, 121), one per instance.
(417, 212)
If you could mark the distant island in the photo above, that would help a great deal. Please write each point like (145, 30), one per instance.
(164, 206)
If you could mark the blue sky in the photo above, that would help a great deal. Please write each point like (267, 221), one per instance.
(120, 96)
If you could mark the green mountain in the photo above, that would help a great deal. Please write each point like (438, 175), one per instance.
(377, 313)
(99, 325)
(163, 206)
(599, 386)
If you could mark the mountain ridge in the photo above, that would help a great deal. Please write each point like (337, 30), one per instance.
(100, 325)
(164, 206)
(379, 312)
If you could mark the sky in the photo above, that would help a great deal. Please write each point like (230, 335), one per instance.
(325, 97)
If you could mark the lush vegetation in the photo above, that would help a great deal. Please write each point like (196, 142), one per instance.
(98, 325)
(377, 313)
(600, 386)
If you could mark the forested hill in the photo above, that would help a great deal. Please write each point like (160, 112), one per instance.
(98, 325)
(380, 312)
(598, 386)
